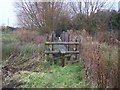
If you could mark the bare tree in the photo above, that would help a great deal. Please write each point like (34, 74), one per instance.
(40, 16)
(89, 6)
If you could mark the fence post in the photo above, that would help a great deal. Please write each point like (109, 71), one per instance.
(63, 60)
(63, 36)
(47, 55)
(68, 40)
(53, 36)
(76, 48)
(53, 39)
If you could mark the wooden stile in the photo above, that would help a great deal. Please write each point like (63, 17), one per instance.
(62, 54)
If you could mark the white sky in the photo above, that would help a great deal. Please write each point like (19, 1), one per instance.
(8, 15)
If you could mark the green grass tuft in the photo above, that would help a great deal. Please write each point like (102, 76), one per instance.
(70, 76)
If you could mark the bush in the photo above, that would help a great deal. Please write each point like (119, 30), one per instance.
(100, 62)
(30, 36)
(107, 37)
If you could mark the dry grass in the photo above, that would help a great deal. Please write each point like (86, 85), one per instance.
(100, 65)
(107, 37)
(18, 56)
(100, 57)
(30, 36)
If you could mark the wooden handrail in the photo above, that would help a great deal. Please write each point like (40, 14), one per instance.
(62, 43)
(67, 52)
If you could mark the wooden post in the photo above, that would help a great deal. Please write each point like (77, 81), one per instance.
(68, 59)
(68, 40)
(53, 38)
(63, 60)
(63, 36)
(76, 49)
(47, 55)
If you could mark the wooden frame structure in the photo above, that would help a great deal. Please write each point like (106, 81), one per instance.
(62, 54)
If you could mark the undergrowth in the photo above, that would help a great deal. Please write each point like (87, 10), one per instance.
(70, 76)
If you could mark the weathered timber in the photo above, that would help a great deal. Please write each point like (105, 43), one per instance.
(63, 60)
(62, 43)
(72, 61)
(59, 49)
(56, 52)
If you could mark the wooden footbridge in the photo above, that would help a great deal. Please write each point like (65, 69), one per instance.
(61, 48)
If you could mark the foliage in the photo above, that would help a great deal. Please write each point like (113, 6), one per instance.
(114, 20)
(110, 38)
(63, 24)
(30, 36)
(9, 44)
(70, 76)
(19, 55)
(100, 62)
(97, 69)
(46, 17)
(12, 46)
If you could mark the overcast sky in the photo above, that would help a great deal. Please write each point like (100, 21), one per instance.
(8, 15)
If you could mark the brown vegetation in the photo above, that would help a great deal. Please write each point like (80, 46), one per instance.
(100, 62)
(30, 36)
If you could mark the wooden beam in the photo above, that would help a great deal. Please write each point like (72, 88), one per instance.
(63, 60)
(57, 52)
(62, 43)
(72, 61)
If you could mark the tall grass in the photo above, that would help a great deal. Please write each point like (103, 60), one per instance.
(30, 36)
(20, 51)
(24, 49)
(7, 50)
(100, 62)
(100, 57)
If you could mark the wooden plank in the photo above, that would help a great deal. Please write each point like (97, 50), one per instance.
(72, 61)
(63, 60)
(56, 52)
(62, 43)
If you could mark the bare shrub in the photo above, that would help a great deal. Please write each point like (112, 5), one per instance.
(101, 68)
(30, 36)
(107, 37)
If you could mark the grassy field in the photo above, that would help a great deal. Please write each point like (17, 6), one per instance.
(70, 76)
(24, 64)
(27, 63)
